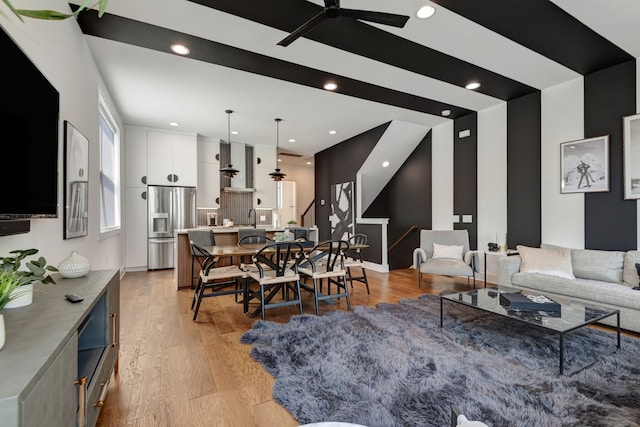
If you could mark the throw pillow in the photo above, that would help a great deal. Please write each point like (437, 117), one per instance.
(550, 262)
(447, 251)
(637, 288)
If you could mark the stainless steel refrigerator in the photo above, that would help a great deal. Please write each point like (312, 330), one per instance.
(170, 209)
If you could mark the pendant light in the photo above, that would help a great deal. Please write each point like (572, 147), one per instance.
(277, 175)
(228, 170)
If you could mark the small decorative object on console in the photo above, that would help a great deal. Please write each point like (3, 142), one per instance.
(493, 247)
(519, 301)
(75, 265)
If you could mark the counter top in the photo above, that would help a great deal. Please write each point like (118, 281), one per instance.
(235, 228)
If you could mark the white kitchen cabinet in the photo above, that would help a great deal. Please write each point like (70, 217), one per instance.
(208, 188)
(265, 195)
(172, 159)
(135, 157)
(264, 162)
(136, 226)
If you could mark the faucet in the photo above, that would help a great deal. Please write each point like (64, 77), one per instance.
(255, 217)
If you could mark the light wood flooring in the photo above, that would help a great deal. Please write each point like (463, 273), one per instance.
(177, 372)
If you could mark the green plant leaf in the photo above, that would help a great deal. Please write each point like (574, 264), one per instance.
(50, 15)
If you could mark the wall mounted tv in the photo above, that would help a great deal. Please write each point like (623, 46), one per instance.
(29, 115)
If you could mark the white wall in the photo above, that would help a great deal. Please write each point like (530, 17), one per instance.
(61, 53)
(305, 188)
(562, 121)
(492, 174)
(442, 176)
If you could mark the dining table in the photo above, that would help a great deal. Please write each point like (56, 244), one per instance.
(250, 249)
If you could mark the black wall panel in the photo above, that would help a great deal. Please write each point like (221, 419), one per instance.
(339, 164)
(406, 201)
(610, 94)
(524, 194)
(465, 173)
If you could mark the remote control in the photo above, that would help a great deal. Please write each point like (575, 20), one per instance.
(74, 297)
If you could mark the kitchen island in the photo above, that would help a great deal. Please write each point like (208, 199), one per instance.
(224, 236)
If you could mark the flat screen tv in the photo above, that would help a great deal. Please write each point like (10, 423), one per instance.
(29, 116)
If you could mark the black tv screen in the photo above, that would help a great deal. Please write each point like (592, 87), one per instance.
(29, 115)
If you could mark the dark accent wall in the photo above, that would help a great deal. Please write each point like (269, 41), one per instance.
(374, 239)
(339, 164)
(524, 188)
(609, 94)
(465, 173)
(406, 201)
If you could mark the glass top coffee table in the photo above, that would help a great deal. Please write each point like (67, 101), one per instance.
(571, 316)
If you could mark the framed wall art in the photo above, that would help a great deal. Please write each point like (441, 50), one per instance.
(76, 183)
(631, 137)
(585, 165)
(341, 218)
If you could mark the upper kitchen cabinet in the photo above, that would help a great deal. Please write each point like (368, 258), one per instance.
(208, 194)
(136, 157)
(172, 159)
(264, 162)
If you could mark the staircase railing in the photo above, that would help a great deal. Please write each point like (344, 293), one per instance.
(401, 238)
(309, 215)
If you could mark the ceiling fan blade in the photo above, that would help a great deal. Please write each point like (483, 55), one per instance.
(377, 17)
(301, 30)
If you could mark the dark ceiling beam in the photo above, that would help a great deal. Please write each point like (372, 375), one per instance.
(545, 28)
(149, 36)
(371, 42)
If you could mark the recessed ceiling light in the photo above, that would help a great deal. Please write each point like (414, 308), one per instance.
(332, 132)
(308, 163)
(385, 164)
(446, 112)
(279, 160)
(472, 85)
(330, 86)
(235, 132)
(174, 124)
(292, 140)
(180, 49)
(425, 12)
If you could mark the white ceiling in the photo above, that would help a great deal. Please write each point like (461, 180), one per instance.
(152, 88)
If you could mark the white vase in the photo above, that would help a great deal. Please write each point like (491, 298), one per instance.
(25, 298)
(75, 265)
(2, 334)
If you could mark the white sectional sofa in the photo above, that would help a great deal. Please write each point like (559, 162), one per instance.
(603, 278)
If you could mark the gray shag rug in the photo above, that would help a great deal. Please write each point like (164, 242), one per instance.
(394, 366)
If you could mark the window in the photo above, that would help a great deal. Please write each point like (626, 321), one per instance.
(109, 171)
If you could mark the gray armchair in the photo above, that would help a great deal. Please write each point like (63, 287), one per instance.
(425, 263)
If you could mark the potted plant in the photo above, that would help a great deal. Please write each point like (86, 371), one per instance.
(292, 222)
(37, 271)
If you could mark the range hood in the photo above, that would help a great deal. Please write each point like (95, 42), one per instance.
(241, 156)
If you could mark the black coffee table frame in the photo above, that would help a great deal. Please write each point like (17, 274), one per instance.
(496, 308)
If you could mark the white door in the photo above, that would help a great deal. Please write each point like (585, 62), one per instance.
(287, 202)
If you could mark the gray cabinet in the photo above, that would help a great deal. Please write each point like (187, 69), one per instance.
(52, 345)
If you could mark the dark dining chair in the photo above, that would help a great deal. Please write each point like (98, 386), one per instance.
(353, 260)
(201, 238)
(216, 281)
(326, 261)
(275, 268)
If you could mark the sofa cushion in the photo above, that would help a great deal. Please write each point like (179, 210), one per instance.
(550, 262)
(597, 265)
(446, 267)
(593, 290)
(630, 274)
(447, 251)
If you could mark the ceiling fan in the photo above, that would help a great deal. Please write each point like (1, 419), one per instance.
(332, 10)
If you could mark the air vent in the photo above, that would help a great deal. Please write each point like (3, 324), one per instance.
(284, 153)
